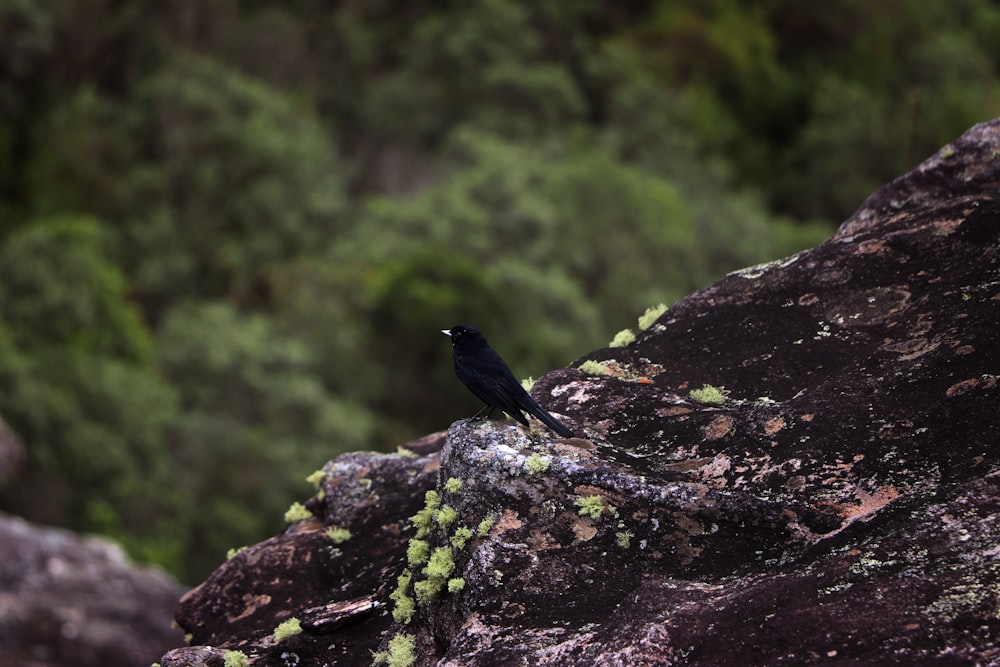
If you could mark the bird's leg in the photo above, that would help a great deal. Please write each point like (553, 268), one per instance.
(476, 416)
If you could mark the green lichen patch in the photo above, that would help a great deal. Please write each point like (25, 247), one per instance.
(622, 338)
(624, 372)
(401, 653)
(594, 507)
(591, 367)
(338, 535)
(461, 537)
(317, 478)
(709, 395)
(403, 605)
(445, 516)
(418, 552)
(235, 659)
(652, 314)
(537, 464)
(297, 512)
(624, 538)
(232, 552)
(438, 570)
(287, 629)
(424, 519)
(485, 526)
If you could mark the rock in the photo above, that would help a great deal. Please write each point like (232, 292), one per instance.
(72, 600)
(798, 464)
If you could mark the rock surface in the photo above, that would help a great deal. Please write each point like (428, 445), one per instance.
(831, 496)
(72, 600)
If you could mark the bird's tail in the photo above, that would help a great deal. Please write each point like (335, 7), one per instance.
(536, 410)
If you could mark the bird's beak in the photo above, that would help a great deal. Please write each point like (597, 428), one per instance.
(446, 332)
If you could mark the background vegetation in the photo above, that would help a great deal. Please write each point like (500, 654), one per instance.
(230, 230)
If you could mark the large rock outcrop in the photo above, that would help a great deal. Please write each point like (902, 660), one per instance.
(67, 599)
(796, 465)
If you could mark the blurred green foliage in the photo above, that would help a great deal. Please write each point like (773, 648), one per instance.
(230, 231)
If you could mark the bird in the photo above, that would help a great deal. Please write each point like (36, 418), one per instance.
(487, 376)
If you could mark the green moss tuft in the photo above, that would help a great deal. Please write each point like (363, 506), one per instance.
(297, 512)
(232, 552)
(528, 383)
(622, 338)
(651, 315)
(287, 629)
(423, 519)
(594, 507)
(401, 653)
(403, 605)
(537, 464)
(453, 485)
(338, 535)
(456, 584)
(404, 452)
(591, 367)
(709, 395)
(418, 552)
(624, 538)
(441, 564)
(316, 478)
(461, 537)
(485, 526)
(235, 659)
(445, 516)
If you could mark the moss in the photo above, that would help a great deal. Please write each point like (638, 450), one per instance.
(594, 507)
(624, 538)
(485, 526)
(404, 607)
(418, 552)
(338, 535)
(622, 338)
(528, 383)
(365, 482)
(438, 569)
(651, 315)
(445, 516)
(404, 452)
(709, 395)
(235, 659)
(401, 653)
(591, 367)
(423, 519)
(316, 478)
(297, 512)
(287, 629)
(232, 552)
(461, 537)
(537, 464)
(453, 485)
(441, 564)
(426, 590)
(456, 584)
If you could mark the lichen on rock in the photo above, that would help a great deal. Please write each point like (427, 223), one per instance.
(840, 503)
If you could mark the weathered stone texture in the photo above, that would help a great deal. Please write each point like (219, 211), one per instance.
(839, 506)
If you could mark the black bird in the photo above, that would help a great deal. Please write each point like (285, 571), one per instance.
(486, 375)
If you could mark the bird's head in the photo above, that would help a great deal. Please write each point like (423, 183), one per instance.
(462, 335)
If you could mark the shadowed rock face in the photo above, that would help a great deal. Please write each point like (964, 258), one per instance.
(834, 501)
(72, 600)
